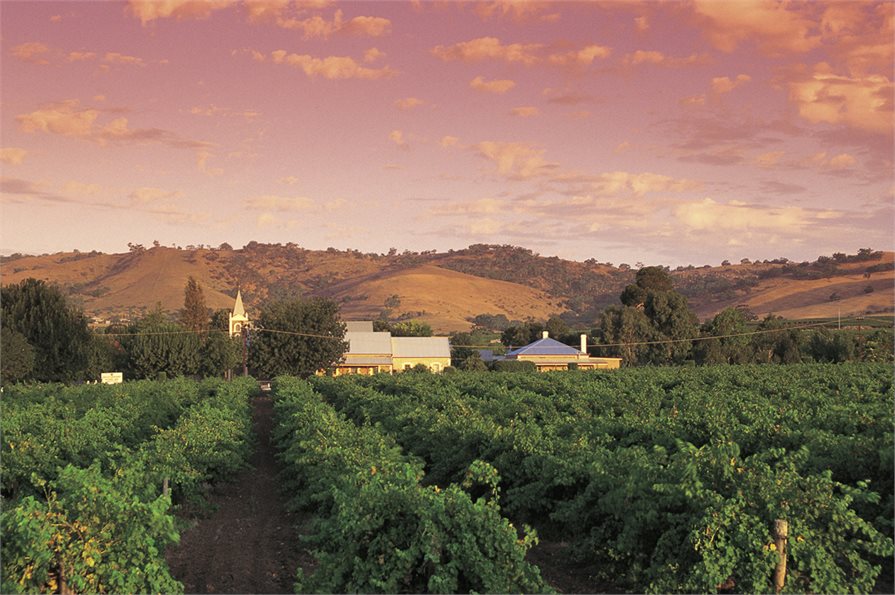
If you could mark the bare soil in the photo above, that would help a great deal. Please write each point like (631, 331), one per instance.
(250, 543)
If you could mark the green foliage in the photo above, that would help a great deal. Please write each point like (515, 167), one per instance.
(404, 328)
(83, 472)
(275, 353)
(730, 349)
(379, 530)
(55, 330)
(17, 361)
(157, 345)
(668, 479)
(509, 365)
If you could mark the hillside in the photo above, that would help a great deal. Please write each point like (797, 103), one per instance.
(447, 289)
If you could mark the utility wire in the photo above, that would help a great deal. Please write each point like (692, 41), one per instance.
(628, 344)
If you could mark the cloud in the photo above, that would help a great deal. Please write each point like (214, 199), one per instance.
(81, 188)
(769, 159)
(566, 96)
(288, 180)
(12, 155)
(449, 141)
(116, 58)
(723, 84)
(482, 206)
(518, 10)
(214, 110)
(582, 57)
(34, 52)
(708, 215)
(148, 195)
(80, 56)
(527, 54)
(497, 86)
(373, 54)
(65, 118)
(515, 160)
(272, 202)
(657, 58)
(150, 10)
(331, 67)
(68, 118)
(525, 111)
(639, 184)
(397, 137)
(489, 48)
(842, 161)
(861, 103)
(777, 28)
(409, 103)
(316, 26)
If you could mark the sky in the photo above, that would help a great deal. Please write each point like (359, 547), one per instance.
(671, 133)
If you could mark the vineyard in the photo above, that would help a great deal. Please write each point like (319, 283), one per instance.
(655, 479)
(90, 474)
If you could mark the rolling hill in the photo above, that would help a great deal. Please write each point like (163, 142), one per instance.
(448, 289)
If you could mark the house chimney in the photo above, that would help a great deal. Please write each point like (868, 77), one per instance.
(545, 334)
(584, 343)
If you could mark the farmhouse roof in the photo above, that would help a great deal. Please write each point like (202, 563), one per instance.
(545, 346)
(368, 343)
(421, 347)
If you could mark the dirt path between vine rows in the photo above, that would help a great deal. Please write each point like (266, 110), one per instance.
(249, 544)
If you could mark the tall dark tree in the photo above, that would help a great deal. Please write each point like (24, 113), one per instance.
(626, 331)
(297, 337)
(16, 356)
(732, 346)
(55, 330)
(157, 345)
(194, 315)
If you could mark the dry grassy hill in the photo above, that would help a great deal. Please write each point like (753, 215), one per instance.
(446, 289)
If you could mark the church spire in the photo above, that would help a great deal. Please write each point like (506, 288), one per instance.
(238, 309)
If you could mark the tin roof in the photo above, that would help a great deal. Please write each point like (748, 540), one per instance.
(545, 346)
(359, 326)
(368, 343)
(421, 347)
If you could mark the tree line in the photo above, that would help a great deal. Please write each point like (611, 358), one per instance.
(653, 325)
(47, 339)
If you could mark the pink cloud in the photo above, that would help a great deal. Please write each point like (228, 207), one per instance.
(34, 52)
(409, 103)
(66, 118)
(150, 10)
(582, 57)
(515, 160)
(331, 67)
(863, 103)
(12, 155)
(525, 111)
(489, 48)
(518, 10)
(775, 27)
(497, 86)
(658, 58)
(723, 84)
(116, 58)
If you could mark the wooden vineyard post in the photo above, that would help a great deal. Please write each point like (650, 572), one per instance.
(165, 488)
(781, 533)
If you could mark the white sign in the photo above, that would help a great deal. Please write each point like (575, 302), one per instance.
(112, 377)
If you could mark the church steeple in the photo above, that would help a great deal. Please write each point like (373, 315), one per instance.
(238, 318)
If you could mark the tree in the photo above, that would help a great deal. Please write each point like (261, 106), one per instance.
(219, 353)
(319, 346)
(155, 345)
(676, 325)
(405, 328)
(17, 361)
(776, 343)
(625, 329)
(55, 330)
(194, 315)
(730, 348)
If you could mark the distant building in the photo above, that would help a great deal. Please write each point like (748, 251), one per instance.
(238, 318)
(549, 354)
(372, 352)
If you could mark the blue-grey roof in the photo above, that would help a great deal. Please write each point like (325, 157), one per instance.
(545, 347)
